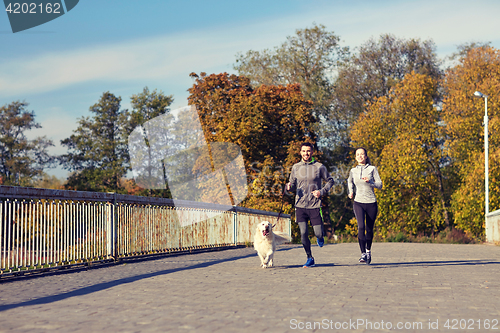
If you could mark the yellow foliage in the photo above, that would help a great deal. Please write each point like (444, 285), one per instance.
(477, 70)
(401, 133)
(352, 227)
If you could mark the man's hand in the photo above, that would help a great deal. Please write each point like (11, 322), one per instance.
(287, 186)
(350, 195)
(316, 193)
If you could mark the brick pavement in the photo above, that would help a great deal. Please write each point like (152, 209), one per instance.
(226, 291)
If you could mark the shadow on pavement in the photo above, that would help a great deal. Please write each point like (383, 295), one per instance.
(437, 263)
(403, 264)
(110, 284)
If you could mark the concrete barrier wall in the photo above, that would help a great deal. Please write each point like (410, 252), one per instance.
(493, 227)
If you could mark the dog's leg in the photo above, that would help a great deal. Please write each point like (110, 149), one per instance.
(263, 261)
(270, 263)
(269, 257)
(267, 263)
(266, 260)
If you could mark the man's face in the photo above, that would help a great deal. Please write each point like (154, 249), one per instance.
(306, 153)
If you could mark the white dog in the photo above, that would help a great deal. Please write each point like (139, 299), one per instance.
(265, 241)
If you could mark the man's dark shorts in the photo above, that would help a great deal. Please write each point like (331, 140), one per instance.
(306, 214)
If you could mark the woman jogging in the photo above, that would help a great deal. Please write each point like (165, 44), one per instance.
(362, 180)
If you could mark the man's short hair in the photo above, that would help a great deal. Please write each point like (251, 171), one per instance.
(307, 144)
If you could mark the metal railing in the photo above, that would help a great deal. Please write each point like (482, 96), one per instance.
(42, 228)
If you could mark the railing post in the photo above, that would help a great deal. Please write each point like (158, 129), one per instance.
(115, 228)
(235, 225)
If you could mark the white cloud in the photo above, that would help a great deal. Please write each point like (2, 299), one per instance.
(153, 58)
(172, 56)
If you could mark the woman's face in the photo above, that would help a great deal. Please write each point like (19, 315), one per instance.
(361, 156)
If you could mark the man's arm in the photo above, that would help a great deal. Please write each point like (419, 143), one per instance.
(325, 175)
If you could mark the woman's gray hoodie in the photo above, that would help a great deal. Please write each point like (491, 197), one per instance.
(364, 190)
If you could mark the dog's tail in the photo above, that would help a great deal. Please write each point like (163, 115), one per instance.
(281, 237)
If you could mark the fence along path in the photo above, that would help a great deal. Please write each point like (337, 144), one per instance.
(43, 228)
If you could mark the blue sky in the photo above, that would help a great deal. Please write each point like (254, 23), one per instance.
(62, 67)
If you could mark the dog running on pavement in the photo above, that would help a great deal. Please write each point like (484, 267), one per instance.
(265, 241)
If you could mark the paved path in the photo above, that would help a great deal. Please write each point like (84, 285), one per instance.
(410, 286)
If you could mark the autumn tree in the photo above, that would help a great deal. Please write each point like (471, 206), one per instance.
(369, 73)
(307, 58)
(478, 69)
(339, 84)
(402, 133)
(22, 160)
(343, 83)
(377, 67)
(50, 181)
(268, 123)
(97, 149)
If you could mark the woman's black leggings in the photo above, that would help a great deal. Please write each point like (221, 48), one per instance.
(366, 213)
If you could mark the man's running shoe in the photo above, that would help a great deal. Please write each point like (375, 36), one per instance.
(363, 258)
(368, 258)
(309, 262)
(320, 241)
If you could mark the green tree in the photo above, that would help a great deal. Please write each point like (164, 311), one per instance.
(22, 161)
(146, 106)
(478, 69)
(97, 151)
(402, 132)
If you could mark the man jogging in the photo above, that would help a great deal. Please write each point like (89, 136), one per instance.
(305, 179)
